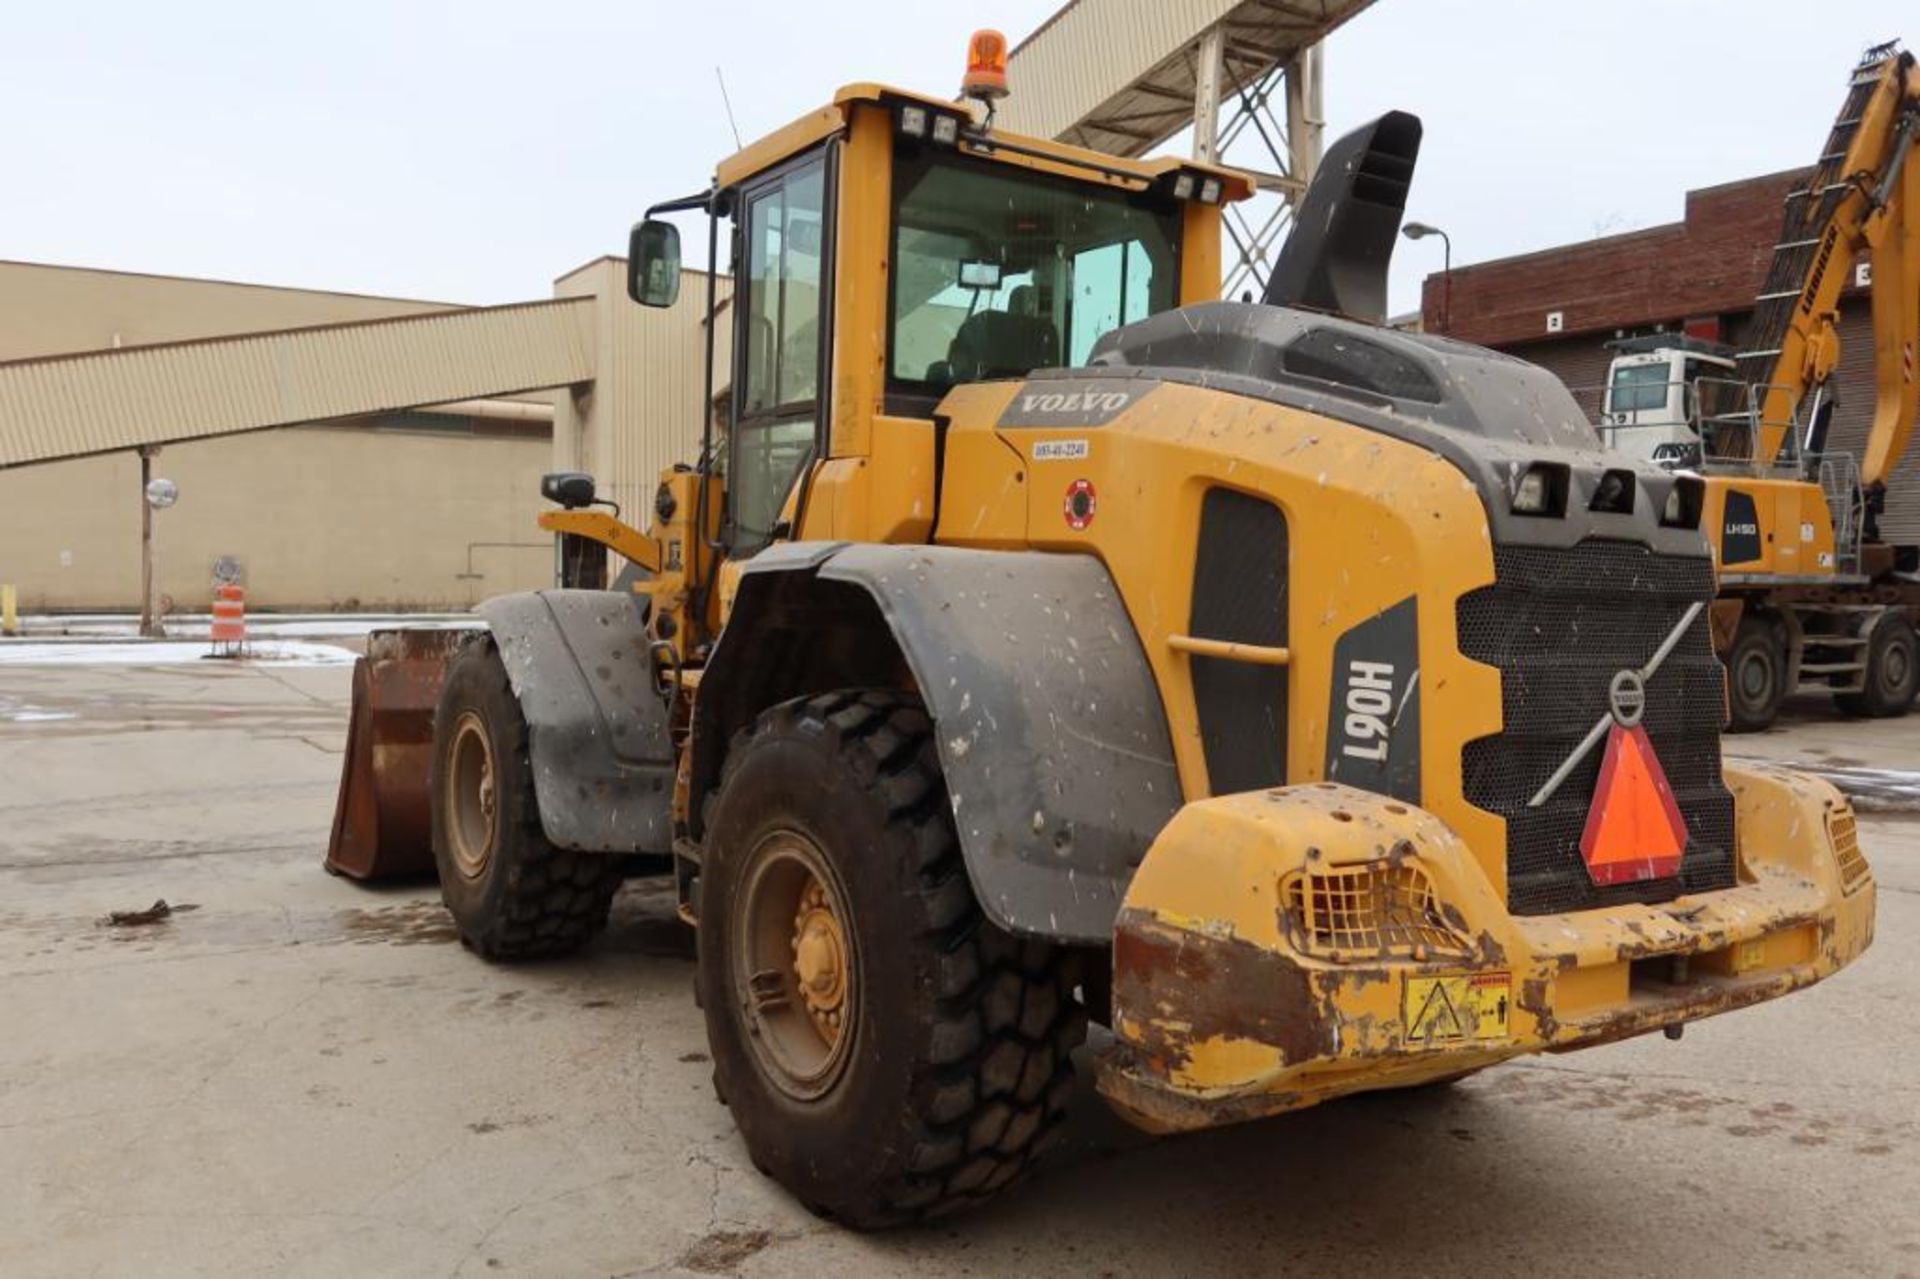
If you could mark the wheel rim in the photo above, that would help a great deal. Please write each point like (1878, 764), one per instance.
(795, 969)
(1896, 668)
(1755, 679)
(473, 796)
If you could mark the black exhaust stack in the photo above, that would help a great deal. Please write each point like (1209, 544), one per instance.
(1336, 257)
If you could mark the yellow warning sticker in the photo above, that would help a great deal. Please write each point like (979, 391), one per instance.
(1451, 1010)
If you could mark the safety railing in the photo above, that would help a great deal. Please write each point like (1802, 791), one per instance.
(1846, 505)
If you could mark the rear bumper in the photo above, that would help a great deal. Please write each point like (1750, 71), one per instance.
(1275, 969)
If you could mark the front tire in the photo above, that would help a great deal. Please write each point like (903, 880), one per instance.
(512, 894)
(887, 1052)
(1756, 675)
(1893, 671)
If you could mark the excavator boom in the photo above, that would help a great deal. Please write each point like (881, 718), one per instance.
(1857, 199)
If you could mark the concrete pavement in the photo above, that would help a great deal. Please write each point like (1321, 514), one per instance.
(300, 1076)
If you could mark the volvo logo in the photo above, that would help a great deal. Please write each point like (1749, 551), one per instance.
(1627, 697)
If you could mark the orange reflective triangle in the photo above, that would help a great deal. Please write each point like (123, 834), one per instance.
(1634, 829)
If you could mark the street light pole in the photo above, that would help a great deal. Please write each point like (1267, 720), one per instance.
(155, 495)
(1420, 231)
(147, 627)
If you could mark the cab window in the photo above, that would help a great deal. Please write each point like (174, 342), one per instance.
(1001, 271)
(1638, 388)
(779, 336)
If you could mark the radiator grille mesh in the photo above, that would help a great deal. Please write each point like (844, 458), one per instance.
(1558, 624)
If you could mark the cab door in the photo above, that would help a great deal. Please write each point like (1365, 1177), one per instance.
(782, 345)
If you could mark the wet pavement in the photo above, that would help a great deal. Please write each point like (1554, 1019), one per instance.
(302, 1076)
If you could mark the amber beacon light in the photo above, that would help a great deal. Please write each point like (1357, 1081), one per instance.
(986, 77)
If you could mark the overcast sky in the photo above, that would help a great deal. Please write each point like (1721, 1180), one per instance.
(472, 151)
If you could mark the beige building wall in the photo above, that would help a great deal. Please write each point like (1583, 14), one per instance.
(50, 310)
(334, 517)
(346, 517)
(643, 412)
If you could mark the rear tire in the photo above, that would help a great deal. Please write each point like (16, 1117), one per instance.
(1893, 671)
(1756, 675)
(887, 1052)
(512, 894)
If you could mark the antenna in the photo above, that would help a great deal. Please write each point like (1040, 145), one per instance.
(728, 103)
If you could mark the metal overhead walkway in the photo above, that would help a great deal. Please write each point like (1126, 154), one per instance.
(89, 402)
(1124, 76)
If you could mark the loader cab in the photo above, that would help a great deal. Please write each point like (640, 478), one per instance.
(890, 247)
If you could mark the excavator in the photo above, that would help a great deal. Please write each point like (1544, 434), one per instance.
(1812, 598)
(1316, 706)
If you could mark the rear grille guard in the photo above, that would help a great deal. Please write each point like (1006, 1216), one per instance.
(1559, 624)
(1380, 909)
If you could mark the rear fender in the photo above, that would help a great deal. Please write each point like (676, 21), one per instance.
(603, 759)
(1051, 733)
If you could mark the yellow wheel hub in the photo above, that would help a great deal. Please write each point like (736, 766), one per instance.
(796, 964)
(819, 959)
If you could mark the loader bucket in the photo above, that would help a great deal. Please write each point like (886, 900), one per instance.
(382, 819)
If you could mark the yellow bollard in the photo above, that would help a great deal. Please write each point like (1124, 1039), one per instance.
(9, 621)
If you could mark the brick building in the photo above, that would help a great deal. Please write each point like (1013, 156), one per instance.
(1560, 307)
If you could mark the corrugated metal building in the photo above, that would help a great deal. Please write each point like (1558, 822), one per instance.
(1560, 307)
(380, 494)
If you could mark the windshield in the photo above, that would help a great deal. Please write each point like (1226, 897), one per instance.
(999, 271)
(1638, 388)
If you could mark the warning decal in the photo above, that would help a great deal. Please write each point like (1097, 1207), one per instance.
(1446, 1010)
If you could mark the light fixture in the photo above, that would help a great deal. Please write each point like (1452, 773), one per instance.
(1183, 187)
(946, 129)
(913, 121)
(1684, 502)
(1541, 491)
(1614, 493)
(1210, 191)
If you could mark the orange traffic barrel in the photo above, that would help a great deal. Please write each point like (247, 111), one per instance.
(229, 632)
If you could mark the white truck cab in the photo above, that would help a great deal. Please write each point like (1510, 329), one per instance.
(1651, 405)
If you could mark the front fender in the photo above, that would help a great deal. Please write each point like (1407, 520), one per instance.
(603, 761)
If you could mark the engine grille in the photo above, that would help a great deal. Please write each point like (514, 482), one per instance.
(1240, 594)
(1558, 624)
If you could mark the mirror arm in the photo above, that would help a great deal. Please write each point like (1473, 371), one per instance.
(705, 200)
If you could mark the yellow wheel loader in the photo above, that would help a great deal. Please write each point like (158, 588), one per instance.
(1317, 706)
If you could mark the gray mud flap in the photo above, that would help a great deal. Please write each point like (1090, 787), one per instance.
(603, 762)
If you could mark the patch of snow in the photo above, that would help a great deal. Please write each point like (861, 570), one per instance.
(166, 653)
(191, 626)
(26, 713)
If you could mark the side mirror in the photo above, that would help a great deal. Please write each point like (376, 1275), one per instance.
(653, 263)
(571, 489)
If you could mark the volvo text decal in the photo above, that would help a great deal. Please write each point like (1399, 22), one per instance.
(1075, 402)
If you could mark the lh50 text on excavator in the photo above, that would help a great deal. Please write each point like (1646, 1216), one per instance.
(1045, 640)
